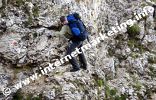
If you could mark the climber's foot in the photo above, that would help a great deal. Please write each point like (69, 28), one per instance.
(84, 67)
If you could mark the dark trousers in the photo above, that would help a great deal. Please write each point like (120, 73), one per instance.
(82, 59)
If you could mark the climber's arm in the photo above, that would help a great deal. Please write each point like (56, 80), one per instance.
(62, 32)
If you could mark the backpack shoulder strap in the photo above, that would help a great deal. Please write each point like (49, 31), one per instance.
(83, 24)
(86, 30)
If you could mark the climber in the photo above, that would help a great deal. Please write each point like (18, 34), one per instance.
(74, 29)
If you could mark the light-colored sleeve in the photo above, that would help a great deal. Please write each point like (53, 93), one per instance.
(62, 32)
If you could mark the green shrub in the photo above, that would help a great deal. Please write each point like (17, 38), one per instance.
(29, 96)
(131, 43)
(36, 11)
(134, 55)
(137, 86)
(141, 48)
(29, 22)
(152, 60)
(100, 82)
(19, 3)
(133, 31)
(152, 72)
(18, 95)
(134, 43)
(111, 94)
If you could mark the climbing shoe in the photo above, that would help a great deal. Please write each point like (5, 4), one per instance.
(84, 67)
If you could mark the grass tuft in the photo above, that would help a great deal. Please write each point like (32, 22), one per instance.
(133, 31)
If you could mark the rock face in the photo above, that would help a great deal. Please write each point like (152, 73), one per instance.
(120, 67)
(1, 3)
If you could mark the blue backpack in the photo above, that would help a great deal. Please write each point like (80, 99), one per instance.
(77, 27)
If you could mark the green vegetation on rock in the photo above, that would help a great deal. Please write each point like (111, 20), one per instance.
(137, 85)
(100, 82)
(18, 95)
(152, 72)
(20, 2)
(152, 60)
(112, 94)
(134, 43)
(29, 22)
(133, 31)
(134, 55)
(36, 11)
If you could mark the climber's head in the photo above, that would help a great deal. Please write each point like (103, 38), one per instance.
(63, 20)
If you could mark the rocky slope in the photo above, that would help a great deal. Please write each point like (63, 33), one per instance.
(119, 68)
